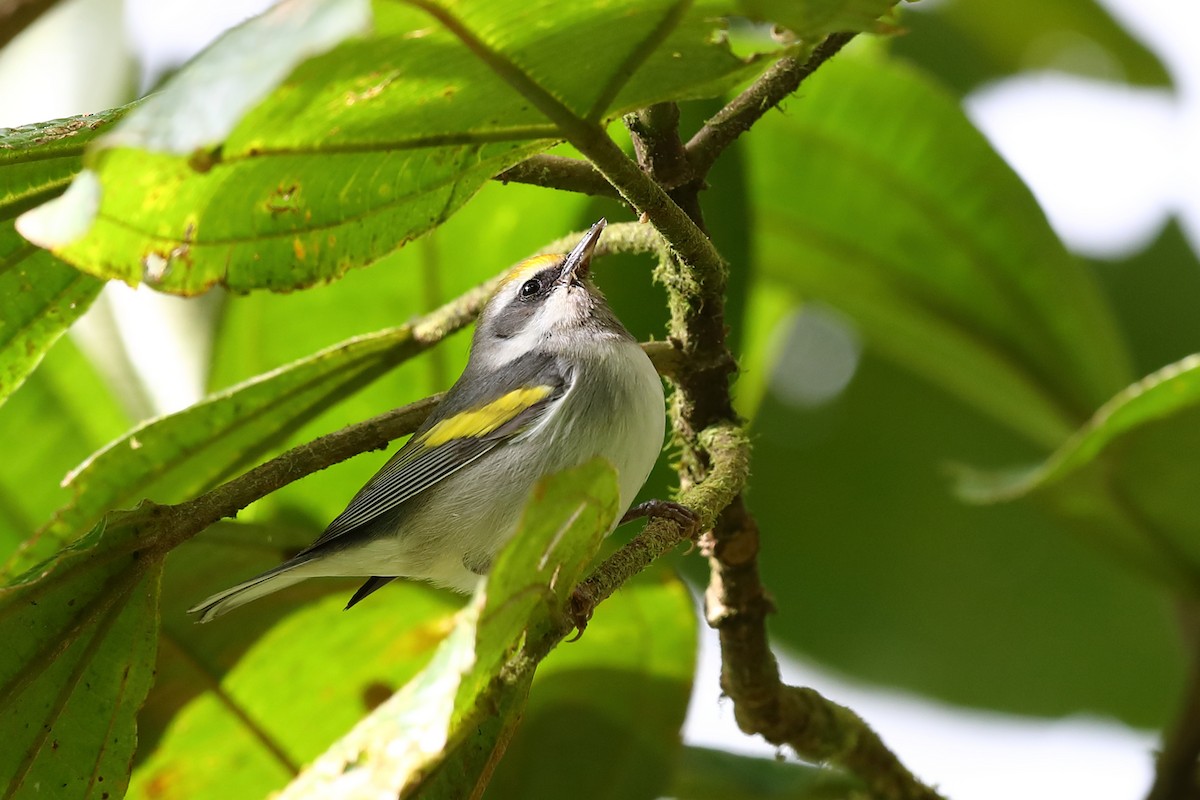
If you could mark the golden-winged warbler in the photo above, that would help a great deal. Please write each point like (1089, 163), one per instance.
(553, 380)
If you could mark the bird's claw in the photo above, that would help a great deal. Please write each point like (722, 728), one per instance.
(681, 515)
(580, 606)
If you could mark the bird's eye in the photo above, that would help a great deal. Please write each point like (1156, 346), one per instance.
(531, 287)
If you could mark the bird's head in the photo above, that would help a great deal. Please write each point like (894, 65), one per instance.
(547, 302)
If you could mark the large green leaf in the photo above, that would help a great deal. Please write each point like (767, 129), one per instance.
(436, 737)
(78, 659)
(880, 572)
(379, 140)
(705, 774)
(811, 19)
(40, 296)
(253, 691)
(905, 219)
(969, 42)
(1155, 294)
(1129, 477)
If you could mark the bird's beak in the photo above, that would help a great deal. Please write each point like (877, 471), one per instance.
(578, 261)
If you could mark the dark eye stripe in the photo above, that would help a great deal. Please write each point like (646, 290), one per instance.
(537, 286)
(517, 312)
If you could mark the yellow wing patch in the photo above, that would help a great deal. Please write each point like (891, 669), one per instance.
(485, 419)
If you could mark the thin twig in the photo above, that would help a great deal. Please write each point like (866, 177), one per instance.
(185, 520)
(559, 172)
(772, 87)
(701, 152)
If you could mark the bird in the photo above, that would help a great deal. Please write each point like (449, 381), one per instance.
(552, 381)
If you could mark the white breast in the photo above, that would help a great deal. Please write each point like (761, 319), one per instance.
(613, 409)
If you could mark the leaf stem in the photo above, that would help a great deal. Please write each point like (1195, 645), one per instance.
(560, 172)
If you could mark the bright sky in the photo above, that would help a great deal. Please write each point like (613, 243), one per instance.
(1108, 164)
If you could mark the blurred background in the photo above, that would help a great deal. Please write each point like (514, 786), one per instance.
(1097, 109)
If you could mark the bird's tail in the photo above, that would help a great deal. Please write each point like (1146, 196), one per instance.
(270, 581)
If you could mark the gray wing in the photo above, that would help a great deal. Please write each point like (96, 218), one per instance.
(418, 465)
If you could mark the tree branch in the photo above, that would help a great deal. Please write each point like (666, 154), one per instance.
(736, 603)
(654, 131)
(558, 172)
(185, 520)
(661, 155)
(772, 87)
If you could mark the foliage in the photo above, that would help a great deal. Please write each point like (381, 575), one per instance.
(359, 169)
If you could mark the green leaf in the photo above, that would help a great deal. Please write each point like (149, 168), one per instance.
(619, 695)
(1000, 607)
(382, 139)
(967, 43)
(908, 222)
(1155, 294)
(436, 737)
(705, 774)
(810, 19)
(73, 413)
(218, 689)
(40, 296)
(206, 99)
(79, 637)
(1128, 477)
